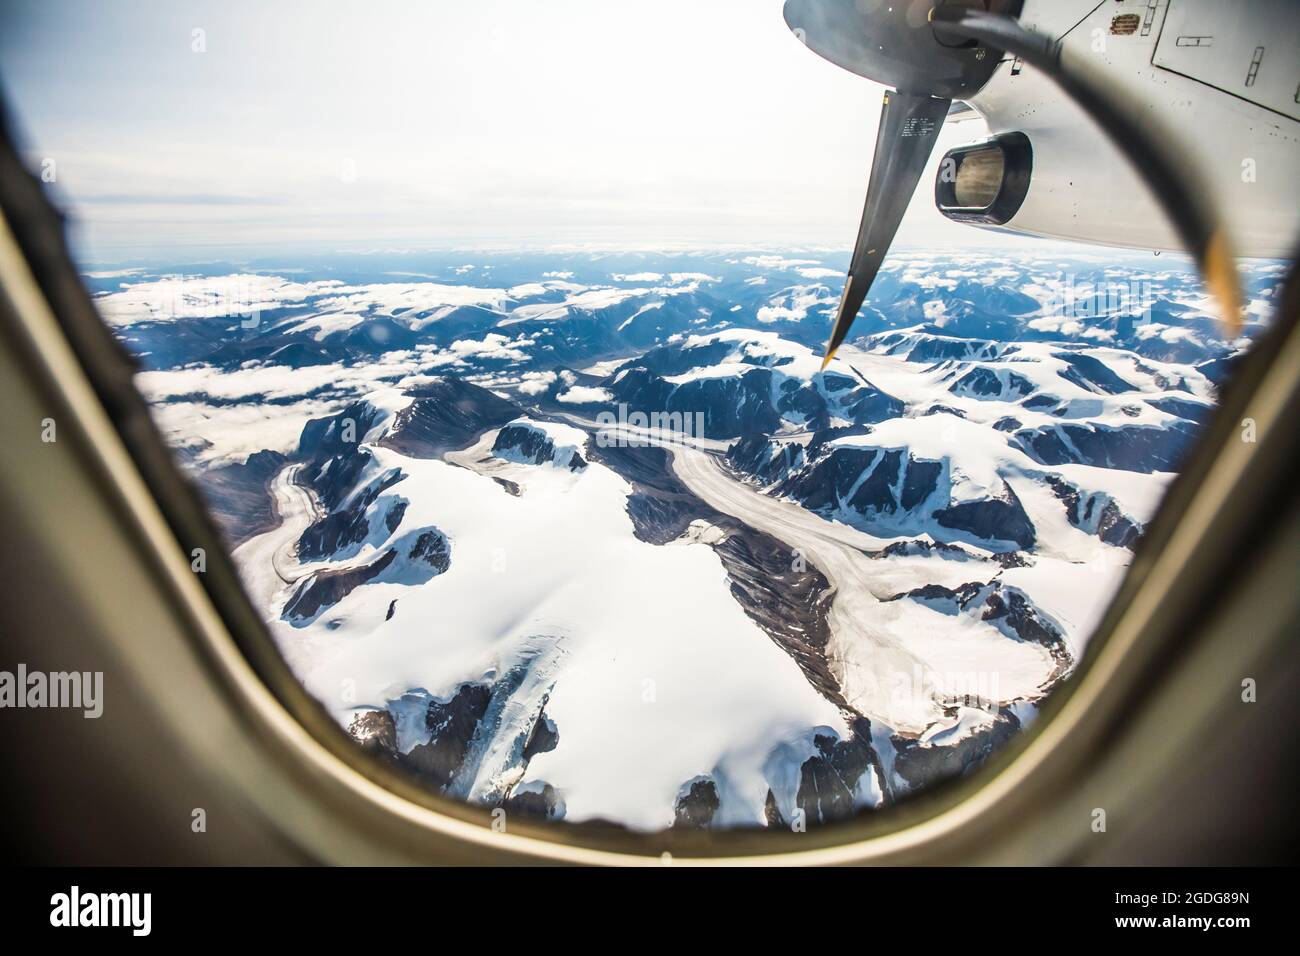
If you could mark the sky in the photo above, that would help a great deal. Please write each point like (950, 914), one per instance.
(319, 126)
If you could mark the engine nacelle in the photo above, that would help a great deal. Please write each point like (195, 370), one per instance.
(985, 183)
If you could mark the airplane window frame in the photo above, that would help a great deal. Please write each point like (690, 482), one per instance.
(58, 317)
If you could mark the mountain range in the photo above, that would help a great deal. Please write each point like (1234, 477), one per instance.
(594, 537)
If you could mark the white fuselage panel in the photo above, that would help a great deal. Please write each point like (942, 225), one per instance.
(1240, 140)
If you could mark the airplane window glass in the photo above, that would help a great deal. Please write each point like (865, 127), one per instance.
(539, 481)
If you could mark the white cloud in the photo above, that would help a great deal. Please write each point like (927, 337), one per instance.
(272, 382)
(181, 297)
(493, 346)
(584, 395)
(411, 299)
(778, 262)
(794, 304)
(535, 383)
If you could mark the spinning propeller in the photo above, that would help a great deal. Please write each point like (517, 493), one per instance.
(893, 43)
(931, 52)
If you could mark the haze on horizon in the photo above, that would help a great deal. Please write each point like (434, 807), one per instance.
(502, 123)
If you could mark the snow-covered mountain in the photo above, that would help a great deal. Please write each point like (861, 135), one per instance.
(594, 537)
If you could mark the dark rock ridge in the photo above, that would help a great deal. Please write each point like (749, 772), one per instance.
(1007, 608)
(1193, 411)
(415, 558)
(918, 766)
(917, 548)
(534, 445)
(457, 730)
(756, 401)
(326, 588)
(1113, 526)
(696, 804)
(731, 406)
(1043, 403)
(945, 410)
(869, 481)
(332, 534)
(825, 790)
(337, 435)
(333, 479)
(333, 462)
(334, 467)
(543, 804)
(446, 415)
(766, 459)
(828, 780)
(788, 598)
(451, 724)
(543, 738)
(1090, 373)
(994, 519)
(433, 549)
(924, 347)
(511, 487)
(984, 382)
(1096, 513)
(1143, 448)
(882, 488)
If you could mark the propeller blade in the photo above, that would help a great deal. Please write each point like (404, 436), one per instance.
(909, 127)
